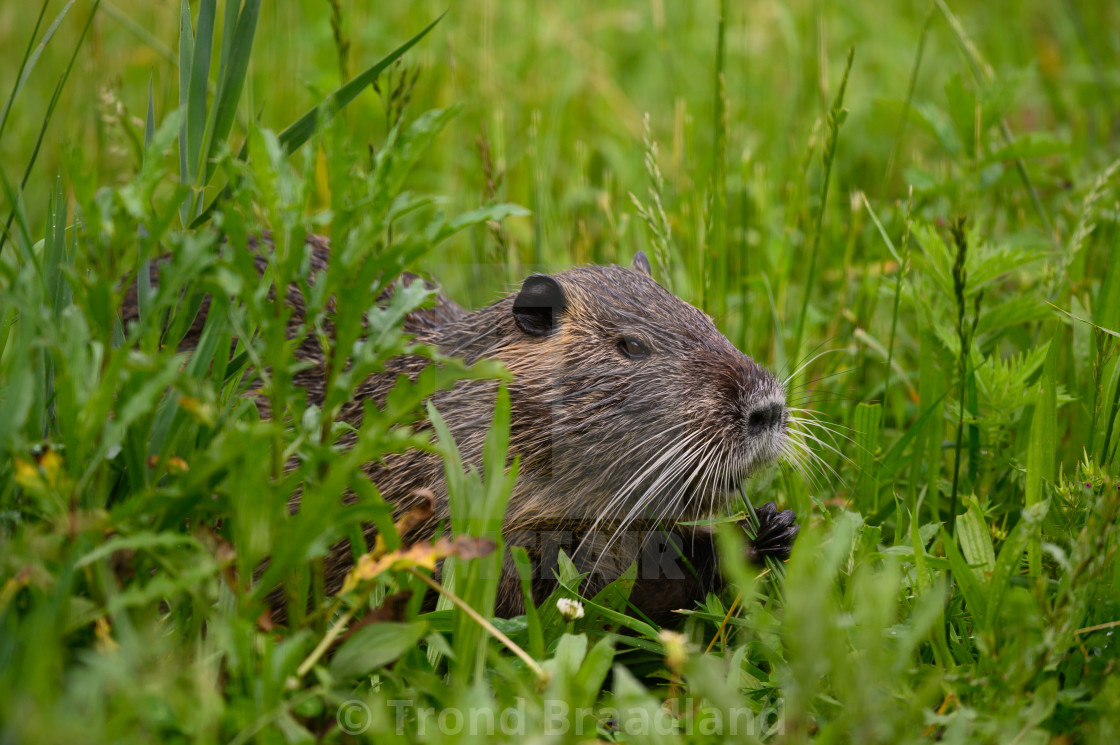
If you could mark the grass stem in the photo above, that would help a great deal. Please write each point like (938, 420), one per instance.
(485, 624)
(835, 119)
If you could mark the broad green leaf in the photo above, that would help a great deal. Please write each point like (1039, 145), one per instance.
(494, 212)
(524, 568)
(930, 417)
(966, 578)
(867, 420)
(161, 587)
(569, 654)
(374, 646)
(921, 566)
(1023, 536)
(929, 609)
(1031, 145)
(616, 594)
(596, 665)
(975, 538)
(137, 542)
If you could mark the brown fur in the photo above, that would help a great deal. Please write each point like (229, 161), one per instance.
(613, 450)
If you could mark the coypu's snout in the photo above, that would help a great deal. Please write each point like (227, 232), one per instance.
(762, 404)
(765, 417)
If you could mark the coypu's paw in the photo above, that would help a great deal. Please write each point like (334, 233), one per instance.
(776, 532)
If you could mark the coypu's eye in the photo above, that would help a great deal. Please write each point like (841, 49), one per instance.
(633, 348)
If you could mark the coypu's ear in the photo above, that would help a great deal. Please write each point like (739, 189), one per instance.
(641, 264)
(537, 306)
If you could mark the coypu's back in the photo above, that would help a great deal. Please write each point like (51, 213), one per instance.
(444, 311)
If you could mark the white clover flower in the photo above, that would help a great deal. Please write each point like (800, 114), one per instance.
(676, 648)
(569, 609)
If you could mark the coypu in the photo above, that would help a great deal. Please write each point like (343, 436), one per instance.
(630, 412)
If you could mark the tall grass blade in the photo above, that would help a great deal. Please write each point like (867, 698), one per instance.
(910, 88)
(965, 332)
(145, 36)
(19, 216)
(716, 269)
(867, 419)
(229, 22)
(932, 388)
(57, 291)
(231, 82)
(903, 265)
(31, 56)
(144, 276)
(1084, 228)
(50, 108)
(299, 132)
(965, 576)
(1108, 452)
(1023, 536)
(186, 62)
(195, 117)
(891, 463)
(836, 116)
(984, 75)
(1042, 447)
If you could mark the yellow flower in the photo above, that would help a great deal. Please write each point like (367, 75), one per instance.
(46, 472)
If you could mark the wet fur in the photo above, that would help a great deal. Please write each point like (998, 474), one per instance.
(591, 426)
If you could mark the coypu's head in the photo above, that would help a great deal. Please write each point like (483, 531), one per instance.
(627, 401)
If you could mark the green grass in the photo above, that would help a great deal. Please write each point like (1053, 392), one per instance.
(925, 243)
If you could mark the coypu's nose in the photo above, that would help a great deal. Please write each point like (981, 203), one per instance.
(765, 417)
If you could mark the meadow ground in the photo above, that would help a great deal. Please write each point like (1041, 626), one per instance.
(909, 208)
